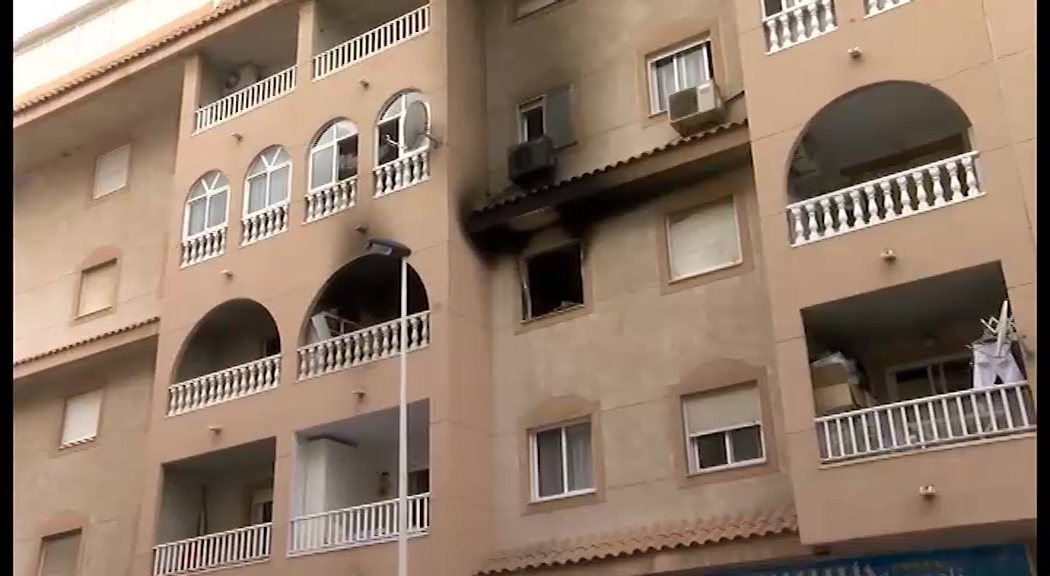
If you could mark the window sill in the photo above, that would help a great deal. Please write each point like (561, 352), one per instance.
(694, 275)
(563, 496)
(738, 268)
(562, 315)
(75, 446)
(563, 501)
(724, 467)
(87, 317)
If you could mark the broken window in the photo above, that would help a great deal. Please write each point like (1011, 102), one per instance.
(552, 281)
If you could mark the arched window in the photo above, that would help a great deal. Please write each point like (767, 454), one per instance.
(268, 180)
(206, 204)
(333, 157)
(390, 130)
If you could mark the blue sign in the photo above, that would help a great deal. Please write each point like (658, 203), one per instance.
(987, 561)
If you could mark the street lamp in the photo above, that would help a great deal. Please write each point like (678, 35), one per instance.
(398, 250)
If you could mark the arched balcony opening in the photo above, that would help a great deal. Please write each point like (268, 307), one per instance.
(356, 317)
(234, 351)
(876, 154)
(402, 154)
(332, 185)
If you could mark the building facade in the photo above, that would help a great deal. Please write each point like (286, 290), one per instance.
(696, 287)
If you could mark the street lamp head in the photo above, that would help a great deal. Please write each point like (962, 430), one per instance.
(387, 247)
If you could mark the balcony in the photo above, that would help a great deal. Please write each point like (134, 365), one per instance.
(876, 155)
(912, 368)
(203, 522)
(788, 23)
(356, 318)
(370, 43)
(347, 471)
(244, 100)
(233, 352)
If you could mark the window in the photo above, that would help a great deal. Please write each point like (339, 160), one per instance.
(723, 429)
(268, 180)
(774, 7)
(390, 132)
(552, 281)
(333, 157)
(59, 554)
(932, 378)
(206, 204)
(98, 288)
(547, 115)
(80, 420)
(111, 171)
(678, 70)
(561, 461)
(262, 506)
(703, 239)
(526, 7)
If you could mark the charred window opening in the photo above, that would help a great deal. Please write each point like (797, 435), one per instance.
(552, 281)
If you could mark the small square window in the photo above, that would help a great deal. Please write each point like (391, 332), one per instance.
(677, 70)
(723, 429)
(561, 461)
(111, 171)
(98, 288)
(80, 419)
(552, 281)
(548, 115)
(59, 554)
(703, 239)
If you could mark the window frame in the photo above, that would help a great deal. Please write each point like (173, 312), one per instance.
(403, 99)
(98, 193)
(785, 5)
(537, 102)
(534, 468)
(78, 442)
(78, 313)
(692, 438)
(45, 540)
(674, 53)
(525, 288)
(689, 210)
(209, 192)
(267, 173)
(317, 146)
(941, 360)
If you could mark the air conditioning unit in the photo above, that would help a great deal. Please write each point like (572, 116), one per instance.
(244, 76)
(695, 108)
(531, 162)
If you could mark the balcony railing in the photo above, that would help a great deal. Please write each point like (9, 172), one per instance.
(362, 346)
(220, 550)
(912, 191)
(798, 24)
(402, 173)
(264, 223)
(203, 246)
(243, 100)
(873, 7)
(356, 526)
(331, 199)
(926, 422)
(372, 42)
(225, 385)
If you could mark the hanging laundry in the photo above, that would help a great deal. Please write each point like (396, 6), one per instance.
(989, 362)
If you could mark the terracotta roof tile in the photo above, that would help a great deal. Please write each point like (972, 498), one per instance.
(125, 58)
(664, 536)
(87, 340)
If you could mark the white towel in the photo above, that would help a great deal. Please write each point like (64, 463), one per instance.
(987, 365)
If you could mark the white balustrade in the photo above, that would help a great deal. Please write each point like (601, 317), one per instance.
(264, 223)
(359, 525)
(331, 199)
(245, 99)
(401, 173)
(924, 422)
(370, 43)
(941, 183)
(873, 7)
(219, 550)
(798, 24)
(224, 385)
(203, 246)
(362, 346)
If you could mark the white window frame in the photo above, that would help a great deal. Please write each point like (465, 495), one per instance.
(656, 107)
(892, 371)
(785, 5)
(689, 210)
(534, 462)
(267, 173)
(693, 438)
(402, 100)
(208, 185)
(124, 150)
(539, 102)
(334, 143)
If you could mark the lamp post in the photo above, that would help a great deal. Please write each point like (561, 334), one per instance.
(397, 250)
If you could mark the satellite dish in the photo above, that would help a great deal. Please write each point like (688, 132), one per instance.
(416, 125)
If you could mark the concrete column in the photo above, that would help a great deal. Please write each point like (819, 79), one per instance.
(307, 39)
(191, 91)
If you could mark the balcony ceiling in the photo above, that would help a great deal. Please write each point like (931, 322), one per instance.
(251, 456)
(268, 39)
(378, 430)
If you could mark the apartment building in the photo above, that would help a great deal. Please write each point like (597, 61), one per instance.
(695, 287)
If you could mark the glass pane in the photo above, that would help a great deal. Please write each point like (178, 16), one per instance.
(347, 158)
(578, 445)
(279, 156)
(665, 84)
(914, 383)
(196, 217)
(256, 194)
(321, 168)
(343, 129)
(395, 108)
(278, 186)
(746, 443)
(691, 69)
(711, 450)
(389, 132)
(217, 209)
(548, 463)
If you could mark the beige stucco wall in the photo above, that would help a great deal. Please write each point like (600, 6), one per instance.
(58, 227)
(95, 487)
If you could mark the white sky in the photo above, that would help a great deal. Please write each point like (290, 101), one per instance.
(32, 14)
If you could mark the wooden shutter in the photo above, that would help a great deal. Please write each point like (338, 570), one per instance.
(703, 239)
(721, 409)
(111, 171)
(80, 422)
(59, 554)
(558, 117)
(98, 287)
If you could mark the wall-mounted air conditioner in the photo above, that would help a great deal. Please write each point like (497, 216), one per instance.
(533, 162)
(696, 108)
